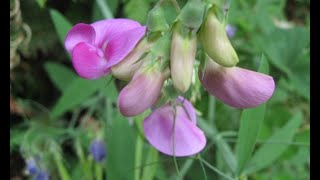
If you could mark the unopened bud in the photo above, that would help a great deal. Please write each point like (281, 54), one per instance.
(216, 42)
(142, 91)
(231, 30)
(182, 56)
(130, 64)
(98, 150)
(31, 166)
(42, 175)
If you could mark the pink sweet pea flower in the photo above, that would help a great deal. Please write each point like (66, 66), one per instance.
(96, 47)
(142, 91)
(237, 87)
(174, 131)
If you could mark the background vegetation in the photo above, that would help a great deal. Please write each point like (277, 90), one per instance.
(55, 114)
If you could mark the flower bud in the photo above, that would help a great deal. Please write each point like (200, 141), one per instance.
(182, 56)
(130, 64)
(42, 175)
(142, 91)
(98, 150)
(32, 167)
(191, 15)
(231, 30)
(216, 42)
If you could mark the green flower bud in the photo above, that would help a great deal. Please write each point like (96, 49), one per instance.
(215, 41)
(191, 15)
(156, 20)
(182, 56)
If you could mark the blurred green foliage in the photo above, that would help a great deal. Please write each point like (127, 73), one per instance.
(71, 111)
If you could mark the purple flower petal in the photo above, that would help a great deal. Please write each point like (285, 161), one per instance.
(231, 30)
(79, 33)
(98, 150)
(188, 108)
(237, 87)
(105, 29)
(42, 175)
(88, 61)
(179, 138)
(141, 93)
(32, 166)
(121, 44)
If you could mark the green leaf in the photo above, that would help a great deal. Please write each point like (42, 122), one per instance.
(61, 24)
(120, 142)
(250, 123)
(151, 164)
(76, 93)
(60, 75)
(41, 3)
(110, 91)
(131, 11)
(269, 152)
(288, 50)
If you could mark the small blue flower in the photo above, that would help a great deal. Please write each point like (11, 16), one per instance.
(42, 175)
(32, 167)
(98, 150)
(231, 30)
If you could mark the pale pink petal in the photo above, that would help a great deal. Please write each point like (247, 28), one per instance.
(179, 137)
(141, 93)
(121, 44)
(236, 86)
(79, 33)
(188, 108)
(88, 61)
(106, 28)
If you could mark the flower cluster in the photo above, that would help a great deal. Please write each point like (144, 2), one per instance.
(153, 56)
(33, 168)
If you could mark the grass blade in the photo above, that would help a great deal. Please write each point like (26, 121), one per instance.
(76, 93)
(222, 146)
(269, 152)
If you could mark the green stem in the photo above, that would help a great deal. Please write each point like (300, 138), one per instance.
(138, 150)
(211, 110)
(185, 167)
(203, 169)
(83, 163)
(138, 157)
(104, 8)
(74, 118)
(89, 166)
(99, 172)
(215, 169)
(174, 144)
(176, 5)
(109, 111)
(61, 168)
